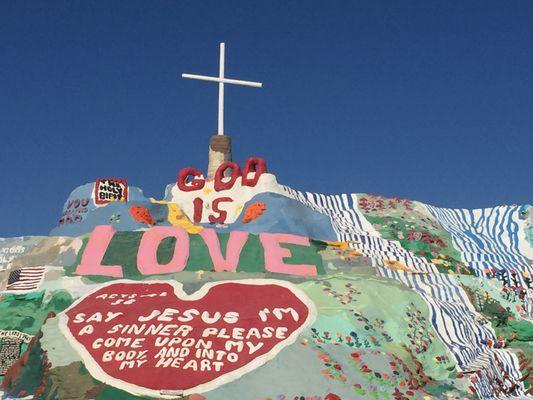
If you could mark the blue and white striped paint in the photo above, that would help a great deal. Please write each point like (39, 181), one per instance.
(491, 238)
(452, 315)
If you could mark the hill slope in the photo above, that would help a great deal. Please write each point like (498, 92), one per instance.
(244, 288)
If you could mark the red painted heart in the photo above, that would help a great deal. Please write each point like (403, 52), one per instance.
(151, 338)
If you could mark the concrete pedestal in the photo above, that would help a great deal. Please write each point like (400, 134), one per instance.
(219, 152)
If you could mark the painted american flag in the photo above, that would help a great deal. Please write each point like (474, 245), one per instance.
(25, 279)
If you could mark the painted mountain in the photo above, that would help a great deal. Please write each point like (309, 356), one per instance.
(241, 288)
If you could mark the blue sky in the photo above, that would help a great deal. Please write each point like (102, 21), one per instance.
(420, 99)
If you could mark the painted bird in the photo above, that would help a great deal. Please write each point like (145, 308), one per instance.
(141, 214)
(253, 211)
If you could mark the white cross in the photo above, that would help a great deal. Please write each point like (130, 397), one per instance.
(221, 81)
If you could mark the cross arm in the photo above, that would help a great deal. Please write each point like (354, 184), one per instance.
(222, 80)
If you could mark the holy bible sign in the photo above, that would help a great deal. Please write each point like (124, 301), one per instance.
(151, 338)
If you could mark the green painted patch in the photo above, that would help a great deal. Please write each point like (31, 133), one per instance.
(122, 250)
(408, 223)
(26, 313)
